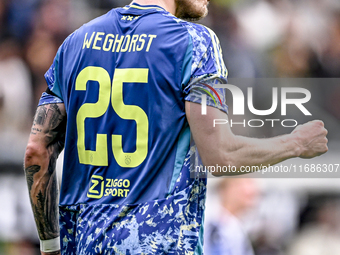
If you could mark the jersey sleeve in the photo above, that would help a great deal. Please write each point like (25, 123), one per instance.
(207, 68)
(52, 94)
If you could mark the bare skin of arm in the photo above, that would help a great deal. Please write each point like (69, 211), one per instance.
(218, 145)
(45, 143)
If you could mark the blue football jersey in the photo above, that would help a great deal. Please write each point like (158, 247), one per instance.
(124, 79)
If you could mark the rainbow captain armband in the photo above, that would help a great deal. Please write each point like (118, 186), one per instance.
(50, 245)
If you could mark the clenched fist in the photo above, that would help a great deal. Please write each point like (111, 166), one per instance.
(311, 139)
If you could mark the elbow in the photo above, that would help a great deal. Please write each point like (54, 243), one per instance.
(34, 154)
(225, 159)
(226, 165)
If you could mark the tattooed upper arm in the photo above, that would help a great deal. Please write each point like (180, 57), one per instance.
(50, 125)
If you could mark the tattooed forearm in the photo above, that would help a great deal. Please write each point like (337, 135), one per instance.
(45, 144)
(30, 171)
(43, 193)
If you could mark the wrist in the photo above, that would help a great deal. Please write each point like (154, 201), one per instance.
(51, 246)
(294, 145)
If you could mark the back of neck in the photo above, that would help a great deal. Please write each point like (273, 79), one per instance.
(167, 5)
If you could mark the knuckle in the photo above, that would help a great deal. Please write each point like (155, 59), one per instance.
(320, 122)
(326, 131)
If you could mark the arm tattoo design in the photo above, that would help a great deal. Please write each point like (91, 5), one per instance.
(50, 123)
(44, 204)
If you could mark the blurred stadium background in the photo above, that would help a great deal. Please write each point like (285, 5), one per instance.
(259, 39)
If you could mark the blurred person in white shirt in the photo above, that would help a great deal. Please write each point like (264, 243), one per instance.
(224, 234)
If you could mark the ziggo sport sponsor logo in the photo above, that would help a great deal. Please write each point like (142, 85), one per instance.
(113, 187)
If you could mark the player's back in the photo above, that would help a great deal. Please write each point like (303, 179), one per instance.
(125, 179)
(125, 105)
